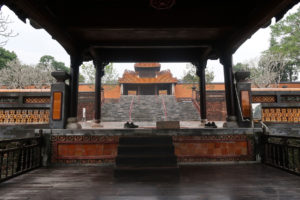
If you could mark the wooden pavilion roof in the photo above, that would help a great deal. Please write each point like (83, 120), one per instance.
(150, 30)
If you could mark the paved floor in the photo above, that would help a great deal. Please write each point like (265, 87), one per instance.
(118, 125)
(207, 182)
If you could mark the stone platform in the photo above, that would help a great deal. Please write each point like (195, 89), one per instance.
(98, 146)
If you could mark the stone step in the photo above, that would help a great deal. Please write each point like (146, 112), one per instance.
(142, 156)
(146, 160)
(146, 149)
(145, 140)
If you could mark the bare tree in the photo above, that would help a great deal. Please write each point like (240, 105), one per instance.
(268, 69)
(16, 75)
(5, 31)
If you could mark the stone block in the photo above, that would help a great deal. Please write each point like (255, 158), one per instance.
(167, 125)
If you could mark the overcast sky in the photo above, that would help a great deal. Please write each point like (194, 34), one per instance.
(31, 44)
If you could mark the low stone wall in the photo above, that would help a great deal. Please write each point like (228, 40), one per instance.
(191, 145)
(83, 149)
(214, 148)
(25, 108)
(279, 107)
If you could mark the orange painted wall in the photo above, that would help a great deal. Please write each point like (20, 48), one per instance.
(185, 90)
(213, 148)
(110, 91)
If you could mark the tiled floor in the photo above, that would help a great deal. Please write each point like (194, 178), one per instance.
(211, 182)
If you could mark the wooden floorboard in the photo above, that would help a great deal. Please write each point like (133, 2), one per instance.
(226, 182)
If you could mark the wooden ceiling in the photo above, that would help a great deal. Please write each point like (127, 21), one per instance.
(150, 30)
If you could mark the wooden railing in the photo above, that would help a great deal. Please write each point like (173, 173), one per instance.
(282, 152)
(18, 156)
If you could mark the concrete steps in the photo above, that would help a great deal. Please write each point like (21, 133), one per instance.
(149, 108)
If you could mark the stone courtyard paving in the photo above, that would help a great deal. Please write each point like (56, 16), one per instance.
(212, 182)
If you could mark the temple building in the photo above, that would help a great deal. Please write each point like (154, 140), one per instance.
(147, 79)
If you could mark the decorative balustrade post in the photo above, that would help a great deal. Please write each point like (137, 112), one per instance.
(243, 86)
(59, 100)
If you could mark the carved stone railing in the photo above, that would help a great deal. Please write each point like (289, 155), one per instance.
(242, 90)
(18, 156)
(278, 105)
(24, 107)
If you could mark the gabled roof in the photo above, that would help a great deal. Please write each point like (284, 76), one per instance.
(161, 77)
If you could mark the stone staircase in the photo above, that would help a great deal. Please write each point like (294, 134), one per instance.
(146, 157)
(116, 111)
(149, 108)
(180, 111)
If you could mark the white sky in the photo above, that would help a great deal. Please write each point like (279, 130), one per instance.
(31, 44)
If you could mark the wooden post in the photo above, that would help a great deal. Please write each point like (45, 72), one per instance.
(76, 61)
(202, 88)
(99, 73)
(226, 60)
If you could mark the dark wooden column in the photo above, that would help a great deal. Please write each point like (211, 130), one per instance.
(202, 89)
(99, 73)
(226, 60)
(76, 61)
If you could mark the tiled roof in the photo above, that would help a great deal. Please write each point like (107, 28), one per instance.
(147, 65)
(162, 77)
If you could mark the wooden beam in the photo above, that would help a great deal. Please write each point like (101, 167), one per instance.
(149, 54)
(259, 17)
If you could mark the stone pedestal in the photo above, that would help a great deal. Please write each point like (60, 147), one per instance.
(203, 122)
(96, 124)
(231, 122)
(72, 123)
(168, 125)
(59, 100)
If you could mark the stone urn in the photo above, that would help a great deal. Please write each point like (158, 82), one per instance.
(242, 76)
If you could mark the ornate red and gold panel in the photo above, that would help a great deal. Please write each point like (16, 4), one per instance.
(281, 115)
(38, 100)
(264, 99)
(131, 92)
(246, 105)
(162, 92)
(24, 116)
(84, 149)
(214, 148)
